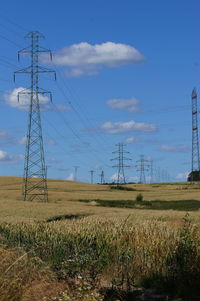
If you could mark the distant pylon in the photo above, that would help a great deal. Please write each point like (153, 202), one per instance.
(75, 172)
(142, 167)
(35, 172)
(195, 136)
(92, 176)
(120, 175)
(151, 171)
(102, 181)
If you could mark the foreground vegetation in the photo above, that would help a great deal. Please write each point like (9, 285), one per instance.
(119, 255)
(90, 241)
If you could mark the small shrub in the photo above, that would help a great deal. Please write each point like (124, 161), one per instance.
(121, 187)
(139, 197)
(184, 263)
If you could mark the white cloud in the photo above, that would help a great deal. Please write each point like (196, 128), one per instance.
(51, 142)
(71, 177)
(86, 59)
(6, 158)
(182, 176)
(21, 141)
(131, 140)
(129, 126)
(174, 148)
(114, 177)
(11, 99)
(130, 105)
(62, 107)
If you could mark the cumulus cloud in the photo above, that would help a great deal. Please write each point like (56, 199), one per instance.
(86, 59)
(6, 158)
(182, 176)
(114, 177)
(11, 99)
(129, 126)
(129, 105)
(71, 177)
(174, 148)
(131, 140)
(62, 107)
(21, 141)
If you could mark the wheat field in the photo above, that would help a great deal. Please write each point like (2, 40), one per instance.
(101, 246)
(64, 197)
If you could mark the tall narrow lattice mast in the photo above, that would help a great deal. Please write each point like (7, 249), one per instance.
(92, 176)
(142, 167)
(120, 175)
(195, 136)
(75, 172)
(35, 181)
(102, 181)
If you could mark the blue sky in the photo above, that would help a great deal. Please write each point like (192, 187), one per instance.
(125, 70)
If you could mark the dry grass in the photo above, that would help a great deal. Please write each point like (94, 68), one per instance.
(118, 246)
(19, 272)
(122, 253)
(25, 278)
(62, 195)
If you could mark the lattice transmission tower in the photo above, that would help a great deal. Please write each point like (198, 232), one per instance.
(102, 180)
(120, 174)
(35, 171)
(91, 176)
(142, 167)
(195, 135)
(75, 172)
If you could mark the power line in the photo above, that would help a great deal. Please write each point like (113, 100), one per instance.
(10, 41)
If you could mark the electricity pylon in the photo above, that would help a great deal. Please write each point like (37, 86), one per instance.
(102, 181)
(35, 172)
(142, 167)
(75, 172)
(120, 175)
(195, 138)
(151, 171)
(92, 173)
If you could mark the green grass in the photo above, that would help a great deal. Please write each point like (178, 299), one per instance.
(120, 187)
(65, 217)
(183, 205)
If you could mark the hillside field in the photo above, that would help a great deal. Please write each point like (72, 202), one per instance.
(64, 197)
